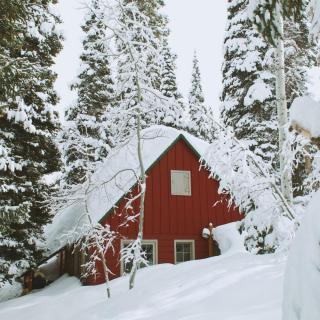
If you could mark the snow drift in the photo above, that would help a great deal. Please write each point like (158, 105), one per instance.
(233, 286)
(302, 280)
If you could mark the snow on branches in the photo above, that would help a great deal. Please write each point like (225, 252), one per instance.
(269, 220)
(138, 64)
(134, 256)
(94, 241)
(264, 12)
(314, 10)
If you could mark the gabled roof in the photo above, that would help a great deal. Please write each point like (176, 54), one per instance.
(123, 163)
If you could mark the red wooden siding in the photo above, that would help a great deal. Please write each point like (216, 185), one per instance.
(170, 217)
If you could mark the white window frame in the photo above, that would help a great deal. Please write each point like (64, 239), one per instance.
(154, 242)
(193, 254)
(179, 193)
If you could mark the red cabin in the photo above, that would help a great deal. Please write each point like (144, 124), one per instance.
(181, 200)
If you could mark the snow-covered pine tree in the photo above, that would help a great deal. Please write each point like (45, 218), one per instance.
(200, 123)
(249, 92)
(168, 85)
(85, 137)
(165, 80)
(248, 96)
(293, 54)
(264, 15)
(300, 54)
(28, 123)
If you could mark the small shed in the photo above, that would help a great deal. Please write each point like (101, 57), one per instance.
(181, 200)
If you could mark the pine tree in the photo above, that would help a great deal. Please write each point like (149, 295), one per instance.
(249, 90)
(168, 80)
(200, 123)
(165, 80)
(28, 123)
(248, 96)
(264, 15)
(300, 54)
(85, 138)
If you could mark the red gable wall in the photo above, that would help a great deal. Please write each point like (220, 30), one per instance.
(170, 217)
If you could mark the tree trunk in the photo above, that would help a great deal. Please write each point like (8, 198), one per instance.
(285, 172)
(143, 191)
(105, 271)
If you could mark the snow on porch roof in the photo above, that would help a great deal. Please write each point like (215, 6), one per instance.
(103, 197)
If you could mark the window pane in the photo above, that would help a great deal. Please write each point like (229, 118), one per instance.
(186, 247)
(187, 256)
(179, 257)
(148, 250)
(179, 247)
(184, 251)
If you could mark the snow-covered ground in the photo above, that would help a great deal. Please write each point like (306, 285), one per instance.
(234, 286)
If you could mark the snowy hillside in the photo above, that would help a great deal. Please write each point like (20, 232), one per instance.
(234, 286)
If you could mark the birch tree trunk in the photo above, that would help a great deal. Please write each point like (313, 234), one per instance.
(282, 112)
(142, 185)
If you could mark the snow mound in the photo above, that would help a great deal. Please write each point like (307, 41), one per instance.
(234, 287)
(302, 280)
(306, 113)
(9, 291)
(229, 238)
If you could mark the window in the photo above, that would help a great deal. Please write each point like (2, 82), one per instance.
(183, 250)
(150, 247)
(180, 183)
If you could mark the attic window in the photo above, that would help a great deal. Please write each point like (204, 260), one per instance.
(180, 183)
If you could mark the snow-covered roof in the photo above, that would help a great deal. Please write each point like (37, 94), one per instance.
(306, 113)
(103, 196)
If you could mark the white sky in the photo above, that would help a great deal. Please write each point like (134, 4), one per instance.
(195, 25)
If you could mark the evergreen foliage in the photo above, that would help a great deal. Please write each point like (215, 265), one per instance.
(300, 54)
(249, 88)
(85, 137)
(168, 79)
(28, 123)
(248, 103)
(165, 80)
(200, 123)
(264, 15)
(248, 96)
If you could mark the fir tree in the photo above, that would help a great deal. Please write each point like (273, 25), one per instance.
(85, 138)
(200, 123)
(168, 79)
(165, 80)
(249, 88)
(248, 96)
(300, 54)
(264, 15)
(28, 123)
